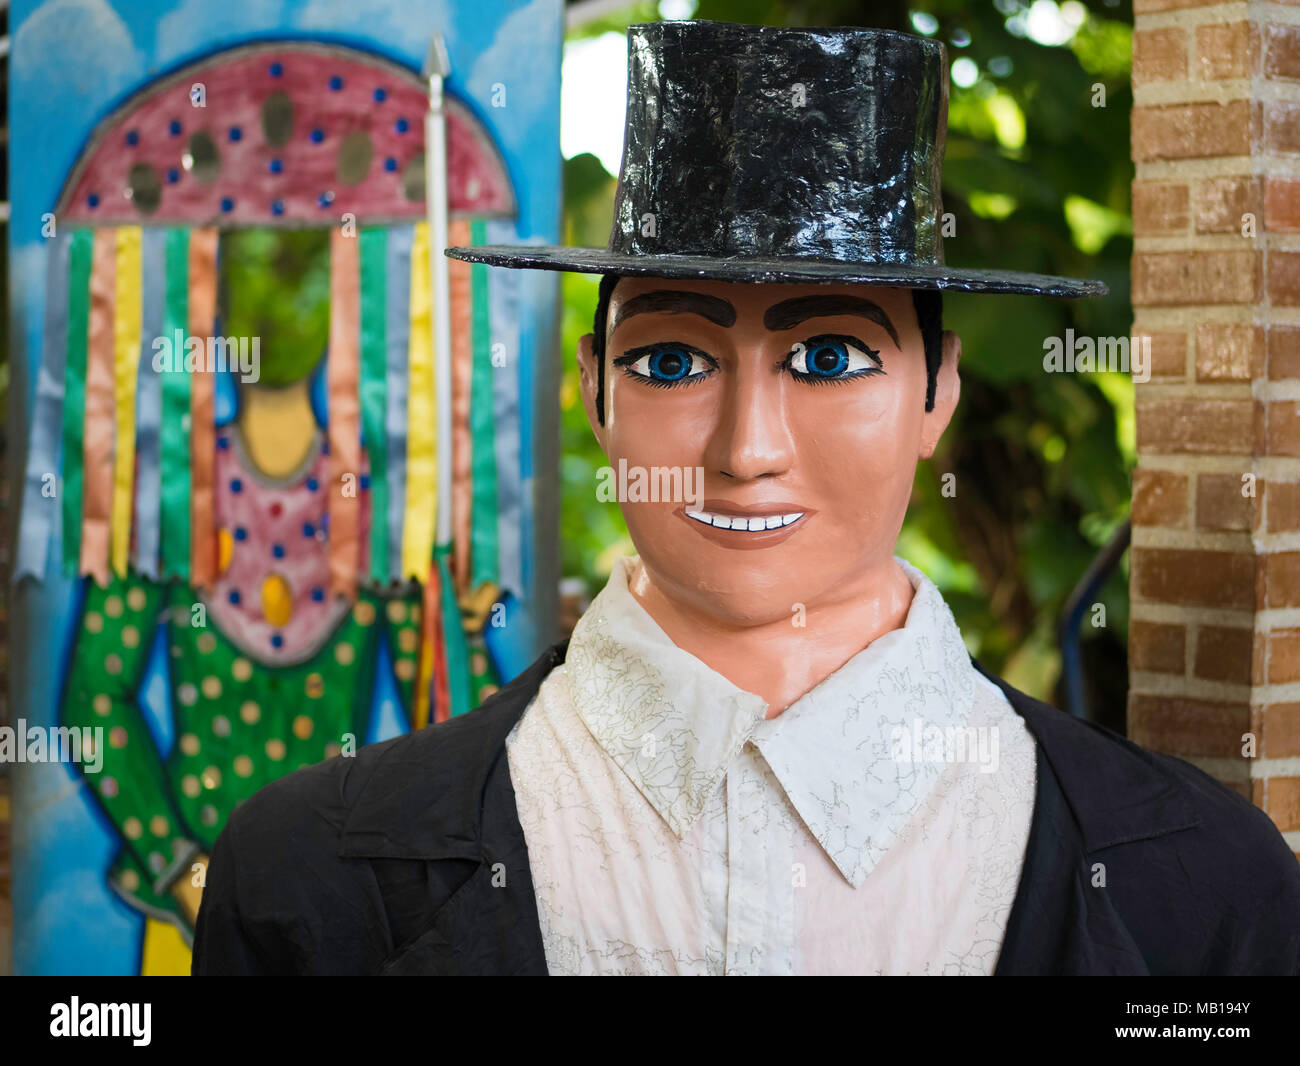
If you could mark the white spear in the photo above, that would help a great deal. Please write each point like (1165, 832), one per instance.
(436, 67)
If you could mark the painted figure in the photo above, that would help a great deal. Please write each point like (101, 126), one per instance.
(254, 525)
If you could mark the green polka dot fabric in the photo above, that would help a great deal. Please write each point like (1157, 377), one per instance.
(237, 724)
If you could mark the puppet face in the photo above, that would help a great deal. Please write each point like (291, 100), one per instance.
(797, 409)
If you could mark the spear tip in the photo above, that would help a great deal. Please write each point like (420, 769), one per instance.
(436, 64)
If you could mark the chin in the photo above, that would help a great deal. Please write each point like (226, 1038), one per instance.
(750, 588)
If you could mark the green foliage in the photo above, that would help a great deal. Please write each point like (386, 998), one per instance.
(275, 285)
(1037, 177)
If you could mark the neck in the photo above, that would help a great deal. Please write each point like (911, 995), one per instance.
(780, 660)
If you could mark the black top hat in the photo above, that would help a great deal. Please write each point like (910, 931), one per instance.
(769, 154)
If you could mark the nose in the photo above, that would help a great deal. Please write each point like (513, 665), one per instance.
(752, 438)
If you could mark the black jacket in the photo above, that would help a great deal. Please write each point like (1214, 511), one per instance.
(408, 858)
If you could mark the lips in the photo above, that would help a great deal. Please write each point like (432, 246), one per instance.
(745, 526)
(745, 523)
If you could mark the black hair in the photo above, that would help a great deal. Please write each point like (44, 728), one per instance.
(929, 316)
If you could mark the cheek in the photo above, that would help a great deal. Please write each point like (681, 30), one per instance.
(649, 426)
(860, 450)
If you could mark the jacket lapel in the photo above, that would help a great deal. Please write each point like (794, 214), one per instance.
(1092, 793)
(447, 799)
(1059, 924)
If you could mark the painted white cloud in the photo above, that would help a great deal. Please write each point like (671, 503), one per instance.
(500, 63)
(87, 40)
(197, 24)
(392, 20)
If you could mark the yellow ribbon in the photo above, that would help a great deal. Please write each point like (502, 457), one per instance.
(126, 366)
(421, 446)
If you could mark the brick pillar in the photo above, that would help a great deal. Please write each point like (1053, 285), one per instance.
(1215, 644)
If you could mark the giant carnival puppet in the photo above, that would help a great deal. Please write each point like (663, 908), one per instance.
(764, 749)
(286, 438)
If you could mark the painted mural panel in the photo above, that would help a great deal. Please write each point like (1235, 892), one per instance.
(268, 515)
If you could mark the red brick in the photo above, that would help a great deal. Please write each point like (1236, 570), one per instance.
(1206, 277)
(1220, 503)
(1284, 802)
(1281, 126)
(1194, 577)
(1282, 428)
(1283, 346)
(1160, 207)
(1204, 427)
(1159, 498)
(1193, 131)
(1223, 203)
(1159, 55)
(1168, 353)
(1283, 656)
(1279, 574)
(1223, 653)
(1223, 50)
(1281, 51)
(1228, 351)
(1182, 726)
(1277, 729)
(1281, 505)
(1284, 278)
(1281, 205)
(1157, 647)
(1147, 7)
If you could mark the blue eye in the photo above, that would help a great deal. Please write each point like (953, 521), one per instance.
(832, 358)
(670, 364)
(666, 365)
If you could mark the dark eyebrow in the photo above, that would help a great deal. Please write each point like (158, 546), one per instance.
(789, 313)
(678, 301)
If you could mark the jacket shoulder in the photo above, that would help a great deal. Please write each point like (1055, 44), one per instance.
(303, 877)
(1201, 877)
(276, 883)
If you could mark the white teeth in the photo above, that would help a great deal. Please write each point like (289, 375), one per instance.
(750, 525)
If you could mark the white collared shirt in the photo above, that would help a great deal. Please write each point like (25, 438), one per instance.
(877, 826)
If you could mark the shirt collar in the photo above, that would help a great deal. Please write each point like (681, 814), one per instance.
(674, 725)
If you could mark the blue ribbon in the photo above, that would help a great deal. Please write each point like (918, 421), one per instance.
(42, 510)
(400, 239)
(503, 298)
(148, 416)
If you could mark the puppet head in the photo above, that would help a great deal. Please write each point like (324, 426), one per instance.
(760, 342)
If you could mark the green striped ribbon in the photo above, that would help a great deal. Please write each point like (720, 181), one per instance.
(374, 395)
(174, 453)
(483, 469)
(453, 630)
(74, 396)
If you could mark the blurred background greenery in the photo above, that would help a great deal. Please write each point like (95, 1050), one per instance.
(1037, 175)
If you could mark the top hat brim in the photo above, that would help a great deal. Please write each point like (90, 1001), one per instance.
(769, 270)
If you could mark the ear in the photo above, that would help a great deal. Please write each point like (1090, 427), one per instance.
(947, 392)
(587, 382)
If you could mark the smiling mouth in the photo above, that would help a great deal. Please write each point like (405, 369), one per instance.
(745, 523)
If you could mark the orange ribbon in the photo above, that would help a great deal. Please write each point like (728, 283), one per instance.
(203, 430)
(97, 451)
(462, 365)
(343, 376)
